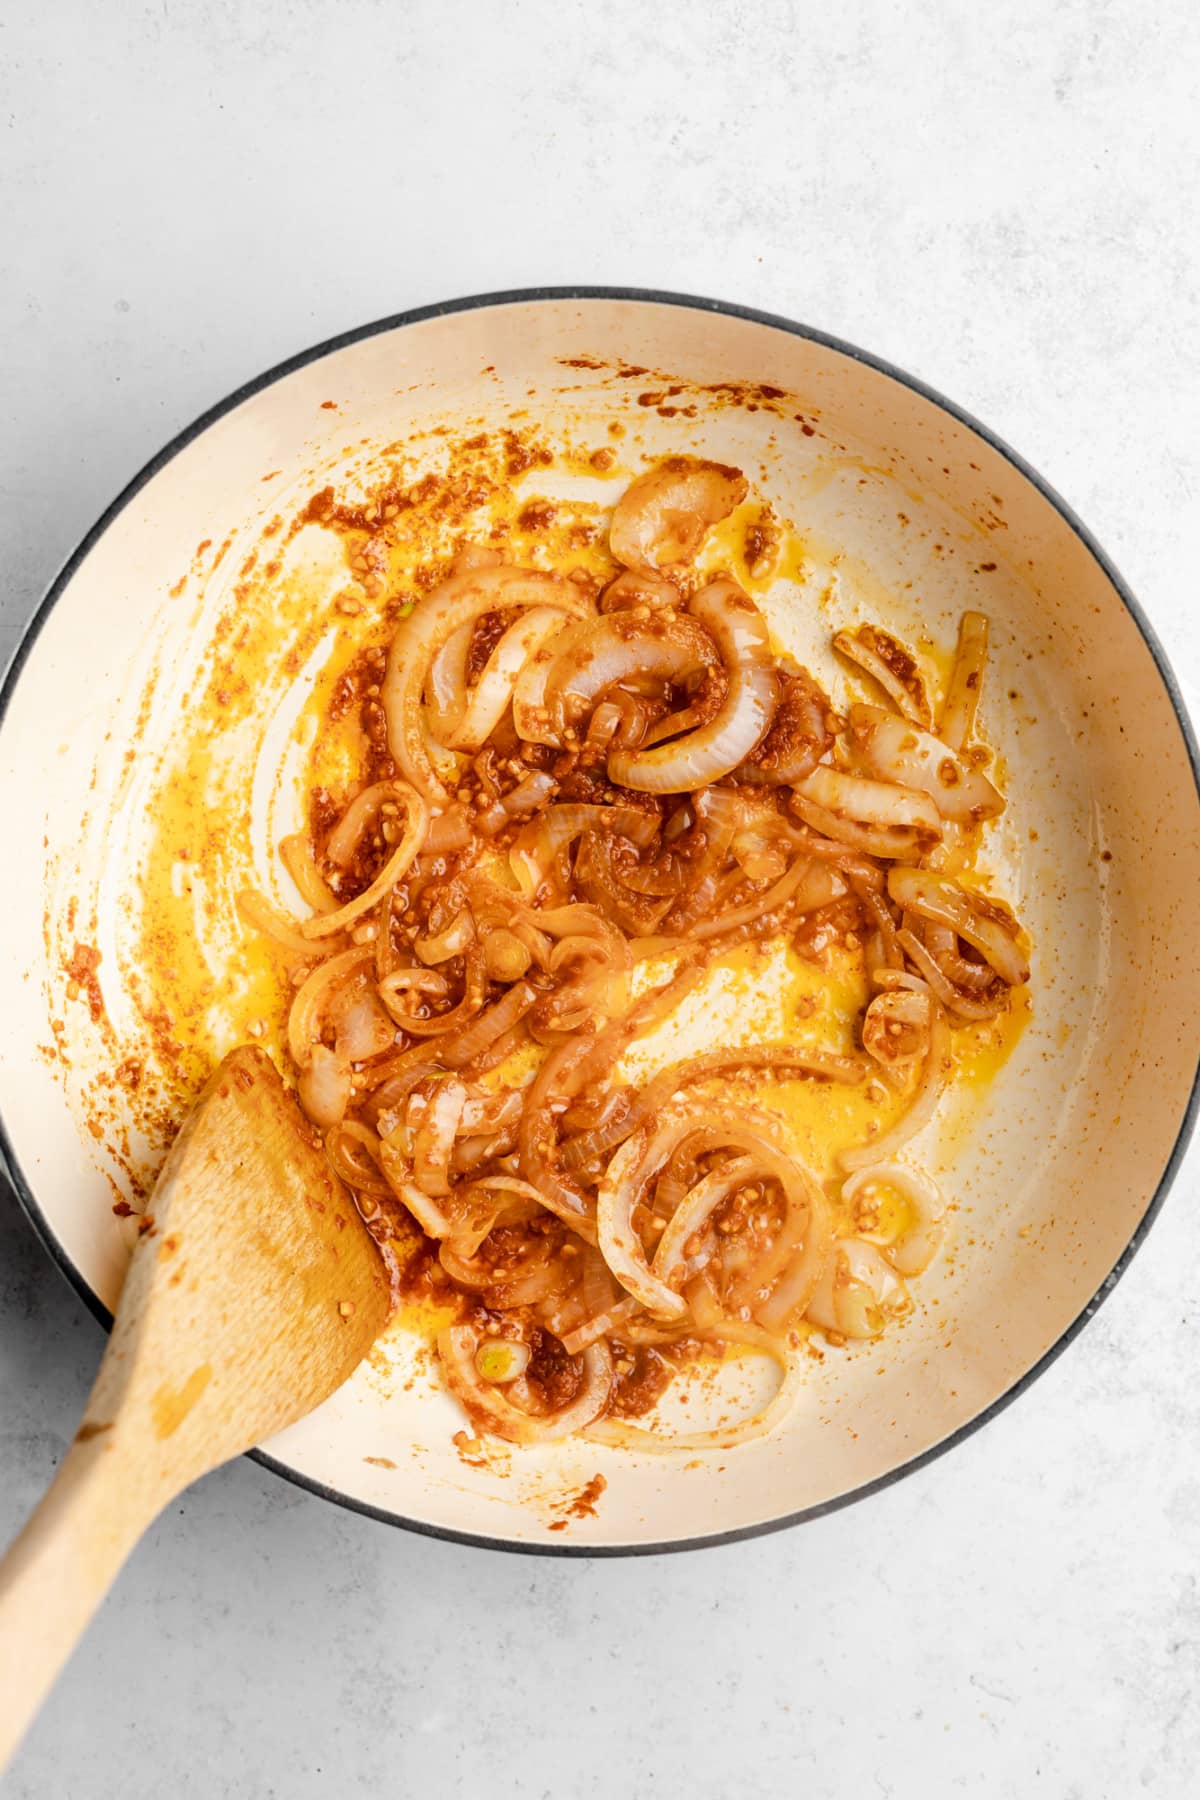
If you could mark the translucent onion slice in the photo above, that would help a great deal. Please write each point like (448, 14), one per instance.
(642, 1157)
(358, 1170)
(487, 700)
(619, 1436)
(274, 923)
(889, 662)
(459, 601)
(436, 1122)
(630, 588)
(964, 1006)
(361, 819)
(429, 1214)
(481, 1033)
(893, 842)
(878, 803)
(977, 920)
(743, 718)
(296, 854)
(966, 682)
(538, 843)
(662, 517)
(895, 1027)
(440, 946)
(617, 647)
(401, 982)
(858, 1290)
(416, 823)
(446, 687)
(531, 716)
(493, 1412)
(912, 1251)
(895, 751)
(324, 1087)
(922, 1105)
(799, 734)
(306, 1020)
(672, 1264)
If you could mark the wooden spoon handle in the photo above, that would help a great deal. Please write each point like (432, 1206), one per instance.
(59, 1570)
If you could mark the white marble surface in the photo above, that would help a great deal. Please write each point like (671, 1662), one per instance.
(1002, 199)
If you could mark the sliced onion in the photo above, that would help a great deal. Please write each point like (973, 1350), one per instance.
(358, 1172)
(889, 662)
(538, 843)
(921, 1106)
(884, 804)
(806, 886)
(595, 874)
(631, 588)
(744, 716)
(979, 921)
(446, 688)
(531, 716)
(487, 700)
(460, 601)
(964, 1005)
(640, 1159)
(617, 1435)
(439, 946)
(915, 1248)
(448, 832)
(531, 793)
(610, 1320)
(394, 988)
(429, 1215)
(493, 1412)
(966, 682)
(617, 647)
(891, 842)
(273, 922)
(416, 824)
(361, 1027)
(896, 751)
(896, 1027)
(672, 1264)
(324, 1087)
(436, 1127)
(297, 856)
(491, 1024)
(306, 1020)
(663, 516)
(799, 734)
(360, 820)
(857, 1291)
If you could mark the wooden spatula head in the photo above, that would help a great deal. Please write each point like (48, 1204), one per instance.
(255, 1289)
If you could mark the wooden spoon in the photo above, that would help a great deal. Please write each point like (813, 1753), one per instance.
(252, 1295)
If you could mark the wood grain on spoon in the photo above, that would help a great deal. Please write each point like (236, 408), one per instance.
(252, 1295)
